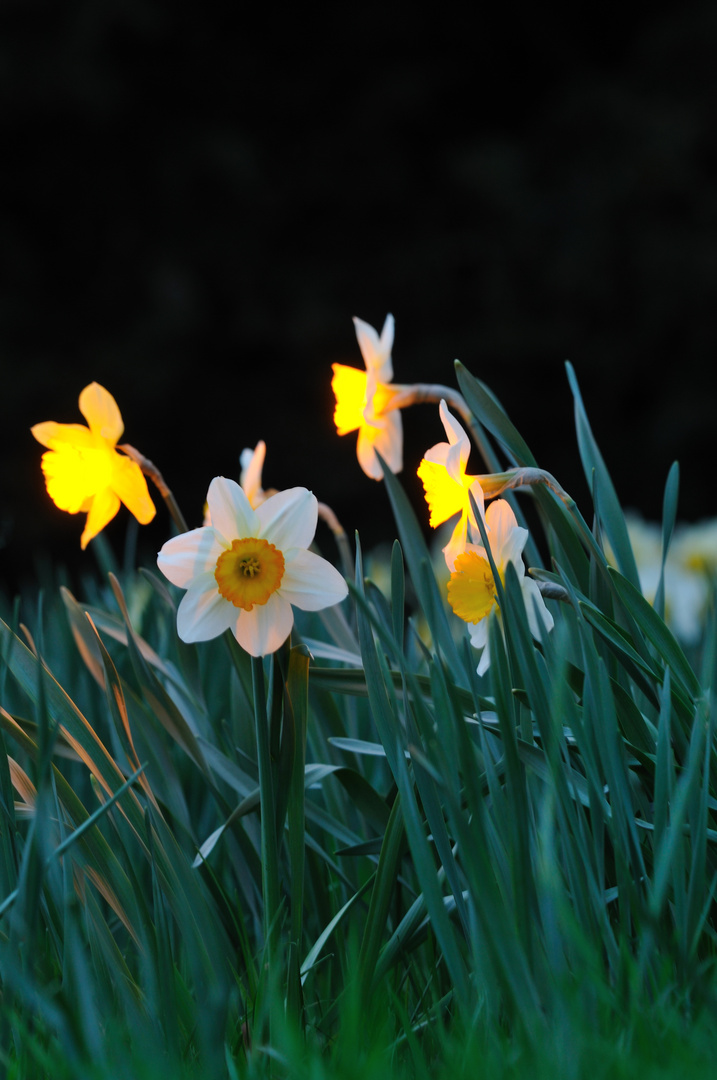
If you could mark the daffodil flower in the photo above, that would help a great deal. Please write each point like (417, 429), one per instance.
(249, 568)
(252, 464)
(448, 487)
(363, 397)
(472, 591)
(84, 470)
(686, 571)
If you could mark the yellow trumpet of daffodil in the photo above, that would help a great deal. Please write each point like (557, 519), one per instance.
(84, 471)
(448, 486)
(472, 591)
(363, 401)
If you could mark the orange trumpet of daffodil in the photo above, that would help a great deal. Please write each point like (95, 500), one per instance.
(85, 472)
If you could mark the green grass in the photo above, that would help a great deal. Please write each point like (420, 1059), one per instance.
(424, 873)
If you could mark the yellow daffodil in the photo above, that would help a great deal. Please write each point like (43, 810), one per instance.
(447, 485)
(471, 589)
(363, 397)
(84, 471)
(246, 570)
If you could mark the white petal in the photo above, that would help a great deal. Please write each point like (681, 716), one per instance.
(438, 454)
(267, 626)
(479, 640)
(454, 460)
(288, 519)
(310, 582)
(203, 612)
(507, 538)
(535, 607)
(458, 543)
(376, 356)
(484, 662)
(386, 436)
(230, 510)
(478, 633)
(252, 463)
(366, 454)
(454, 431)
(477, 492)
(389, 441)
(185, 557)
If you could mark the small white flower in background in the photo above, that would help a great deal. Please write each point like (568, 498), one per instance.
(695, 547)
(447, 486)
(691, 575)
(471, 589)
(362, 397)
(252, 464)
(245, 571)
(691, 560)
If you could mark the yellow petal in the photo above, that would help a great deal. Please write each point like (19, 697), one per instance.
(100, 411)
(471, 589)
(103, 508)
(349, 386)
(129, 484)
(53, 435)
(445, 497)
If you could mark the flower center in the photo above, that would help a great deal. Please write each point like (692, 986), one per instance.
(249, 572)
(349, 386)
(74, 474)
(471, 589)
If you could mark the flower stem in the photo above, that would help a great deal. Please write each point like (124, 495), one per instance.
(326, 514)
(150, 469)
(419, 393)
(269, 851)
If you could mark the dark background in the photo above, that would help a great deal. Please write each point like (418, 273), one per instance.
(194, 205)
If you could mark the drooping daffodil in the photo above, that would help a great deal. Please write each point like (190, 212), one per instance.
(247, 570)
(363, 397)
(448, 487)
(472, 591)
(85, 472)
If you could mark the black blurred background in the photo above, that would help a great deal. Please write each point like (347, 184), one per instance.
(195, 201)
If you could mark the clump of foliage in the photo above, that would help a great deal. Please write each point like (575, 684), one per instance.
(356, 856)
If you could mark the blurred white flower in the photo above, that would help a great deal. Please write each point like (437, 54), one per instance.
(691, 563)
(252, 463)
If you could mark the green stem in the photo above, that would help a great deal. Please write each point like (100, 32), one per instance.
(269, 851)
(297, 707)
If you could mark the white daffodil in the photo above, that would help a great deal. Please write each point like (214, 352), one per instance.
(447, 486)
(471, 590)
(252, 464)
(689, 566)
(362, 398)
(246, 570)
